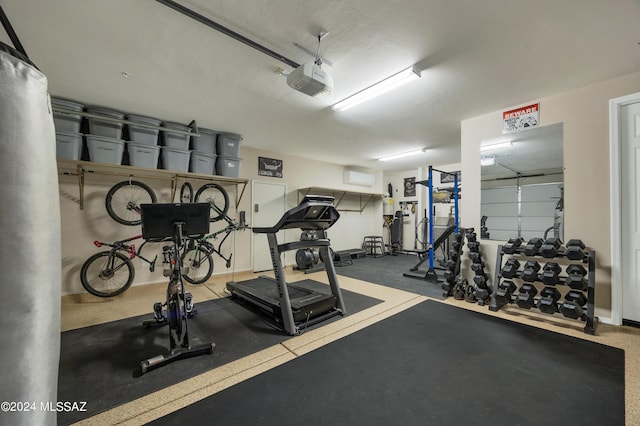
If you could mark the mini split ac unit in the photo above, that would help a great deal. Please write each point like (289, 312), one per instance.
(357, 178)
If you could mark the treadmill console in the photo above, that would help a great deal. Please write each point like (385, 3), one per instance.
(314, 212)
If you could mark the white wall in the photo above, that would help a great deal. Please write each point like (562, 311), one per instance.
(81, 227)
(585, 115)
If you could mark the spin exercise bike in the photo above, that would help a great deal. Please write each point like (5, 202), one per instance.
(161, 222)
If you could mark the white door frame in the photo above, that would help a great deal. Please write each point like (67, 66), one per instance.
(615, 205)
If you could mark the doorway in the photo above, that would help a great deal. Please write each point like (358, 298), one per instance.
(625, 211)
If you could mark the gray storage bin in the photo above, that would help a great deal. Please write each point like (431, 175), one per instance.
(228, 166)
(143, 135)
(229, 145)
(105, 150)
(175, 159)
(203, 163)
(66, 122)
(175, 140)
(141, 155)
(98, 127)
(68, 145)
(206, 143)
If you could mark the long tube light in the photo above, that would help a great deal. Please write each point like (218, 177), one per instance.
(401, 155)
(384, 86)
(497, 145)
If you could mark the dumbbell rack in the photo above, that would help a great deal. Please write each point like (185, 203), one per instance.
(454, 285)
(589, 316)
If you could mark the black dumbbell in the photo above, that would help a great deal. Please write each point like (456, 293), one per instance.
(482, 294)
(526, 296)
(512, 245)
(548, 302)
(472, 237)
(475, 257)
(530, 271)
(474, 246)
(550, 247)
(456, 245)
(574, 250)
(450, 276)
(478, 268)
(458, 237)
(551, 273)
(453, 255)
(510, 268)
(571, 309)
(450, 265)
(505, 291)
(533, 246)
(572, 305)
(481, 280)
(576, 296)
(576, 277)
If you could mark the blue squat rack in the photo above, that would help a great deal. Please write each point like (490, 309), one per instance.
(431, 275)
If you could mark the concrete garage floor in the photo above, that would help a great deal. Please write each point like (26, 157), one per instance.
(83, 310)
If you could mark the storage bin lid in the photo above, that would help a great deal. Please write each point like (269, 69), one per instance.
(103, 139)
(181, 151)
(143, 146)
(104, 111)
(144, 120)
(203, 154)
(230, 135)
(207, 131)
(176, 126)
(230, 158)
(66, 133)
(65, 103)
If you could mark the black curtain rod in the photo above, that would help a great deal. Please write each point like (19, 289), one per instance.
(224, 30)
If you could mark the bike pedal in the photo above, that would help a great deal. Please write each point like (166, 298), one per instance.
(188, 301)
(157, 312)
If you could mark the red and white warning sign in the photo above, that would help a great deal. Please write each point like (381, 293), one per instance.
(521, 118)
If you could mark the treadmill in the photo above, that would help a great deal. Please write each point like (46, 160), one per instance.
(293, 307)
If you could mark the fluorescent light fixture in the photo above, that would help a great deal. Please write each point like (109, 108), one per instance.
(384, 86)
(402, 155)
(496, 145)
(487, 161)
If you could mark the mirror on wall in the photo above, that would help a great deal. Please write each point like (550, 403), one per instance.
(522, 190)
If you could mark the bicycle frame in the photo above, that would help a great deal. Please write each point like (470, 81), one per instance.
(130, 249)
(204, 241)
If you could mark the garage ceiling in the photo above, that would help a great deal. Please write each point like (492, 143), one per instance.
(476, 56)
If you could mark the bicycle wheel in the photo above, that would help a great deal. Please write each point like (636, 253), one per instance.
(218, 198)
(186, 193)
(200, 263)
(124, 199)
(104, 275)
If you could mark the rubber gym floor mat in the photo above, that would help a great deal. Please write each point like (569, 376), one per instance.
(98, 364)
(432, 364)
(388, 270)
